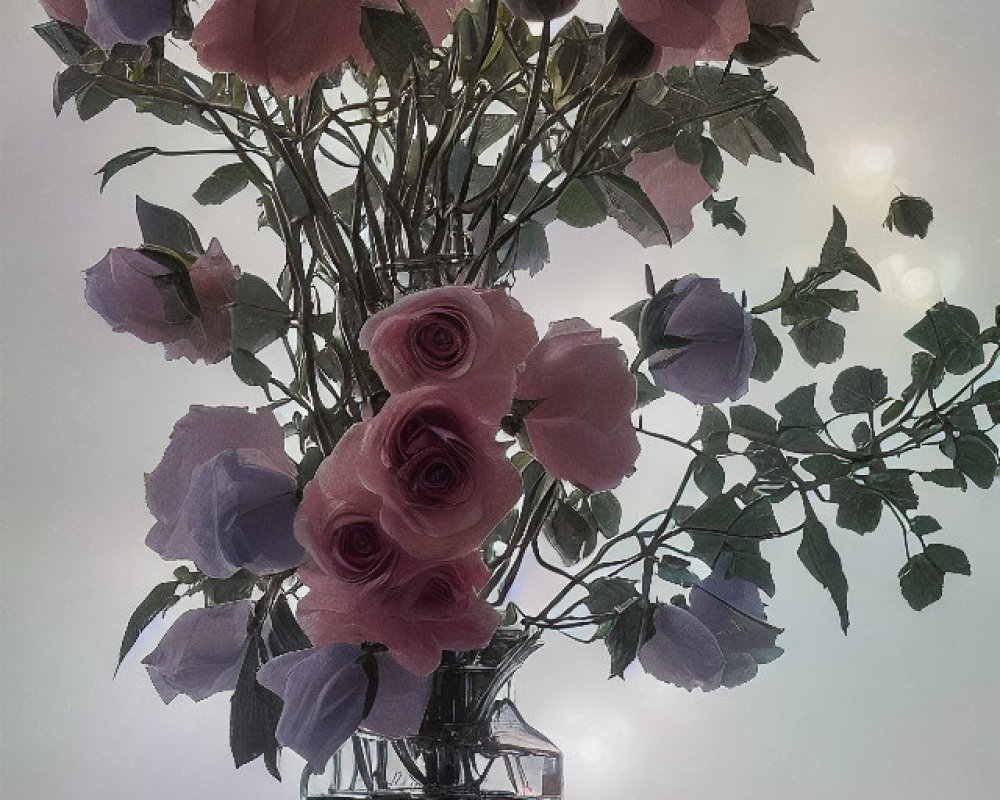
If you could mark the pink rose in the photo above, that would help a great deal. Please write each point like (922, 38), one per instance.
(72, 11)
(435, 610)
(690, 30)
(778, 12)
(673, 186)
(337, 523)
(156, 302)
(471, 341)
(443, 479)
(581, 429)
(224, 494)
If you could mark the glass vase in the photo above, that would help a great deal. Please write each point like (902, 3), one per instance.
(473, 742)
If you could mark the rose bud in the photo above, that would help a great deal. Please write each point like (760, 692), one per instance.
(715, 362)
(540, 10)
(911, 216)
(768, 43)
(580, 425)
(324, 692)
(110, 22)
(443, 479)
(435, 610)
(224, 494)
(470, 341)
(689, 30)
(72, 11)
(634, 56)
(202, 652)
(673, 186)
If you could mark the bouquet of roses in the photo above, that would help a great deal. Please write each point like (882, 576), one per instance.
(441, 440)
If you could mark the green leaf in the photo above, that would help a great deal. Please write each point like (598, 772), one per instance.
(66, 41)
(259, 315)
(836, 240)
(605, 595)
(633, 210)
(976, 459)
(822, 561)
(713, 431)
(395, 41)
(826, 468)
(751, 567)
(712, 165)
(238, 586)
(949, 559)
(857, 390)
(921, 582)
(709, 476)
(225, 182)
(949, 478)
(249, 368)
(924, 525)
(253, 716)
(723, 212)
(164, 227)
(768, 354)
(753, 424)
(911, 216)
(859, 509)
(895, 485)
(798, 409)
(622, 637)
(819, 341)
(674, 569)
(572, 536)
(286, 634)
(495, 545)
(646, 391)
(607, 512)
(582, 204)
(162, 597)
(952, 334)
(631, 317)
(120, 162)
(532, 247)
(891, 411)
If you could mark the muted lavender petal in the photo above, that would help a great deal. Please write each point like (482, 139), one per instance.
(110, 22)
(682, 651)
(706, 313)
(740, 668)
(733, 611)
(201, 653)
(400, 702)
(702, 372)
(237, 514)
(324, 692)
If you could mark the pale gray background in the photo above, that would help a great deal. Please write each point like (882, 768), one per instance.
(905, 706)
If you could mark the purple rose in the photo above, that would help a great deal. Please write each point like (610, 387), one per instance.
(715, 362)
(185, 310)
(110, 22)
(224, 494)
(202, 652)
(683, 651)
(324, 691)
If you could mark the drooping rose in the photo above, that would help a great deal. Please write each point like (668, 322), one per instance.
(72, 11)
(337, 523)
(162, 302)
(471, 341)
(690, 30)
(539, 10)
(224, 494)
(778, 12)
(213, 278)
(135, 294)
(324, 693)
(682, 651)
(715, 364)
(435, 610)
(201, 653)
(673, 186)
(443, 480)
(581, 428)
(110, 22)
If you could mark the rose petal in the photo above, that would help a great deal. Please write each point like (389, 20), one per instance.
(682, 651)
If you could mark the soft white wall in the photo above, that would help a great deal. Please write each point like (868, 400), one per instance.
(905, 706)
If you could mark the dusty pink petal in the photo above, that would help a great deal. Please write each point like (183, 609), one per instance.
(213, 278)
(682, 651)
(674, 187)
(200, 435)
(471, 341)
(437, 16)
(72, 11)
(201, 653)
(581, 429)
(443, 479)
(284, 44)
(778, 12)
(690, 30)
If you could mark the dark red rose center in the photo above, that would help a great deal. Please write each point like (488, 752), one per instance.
(359, 551)
(440, 341)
